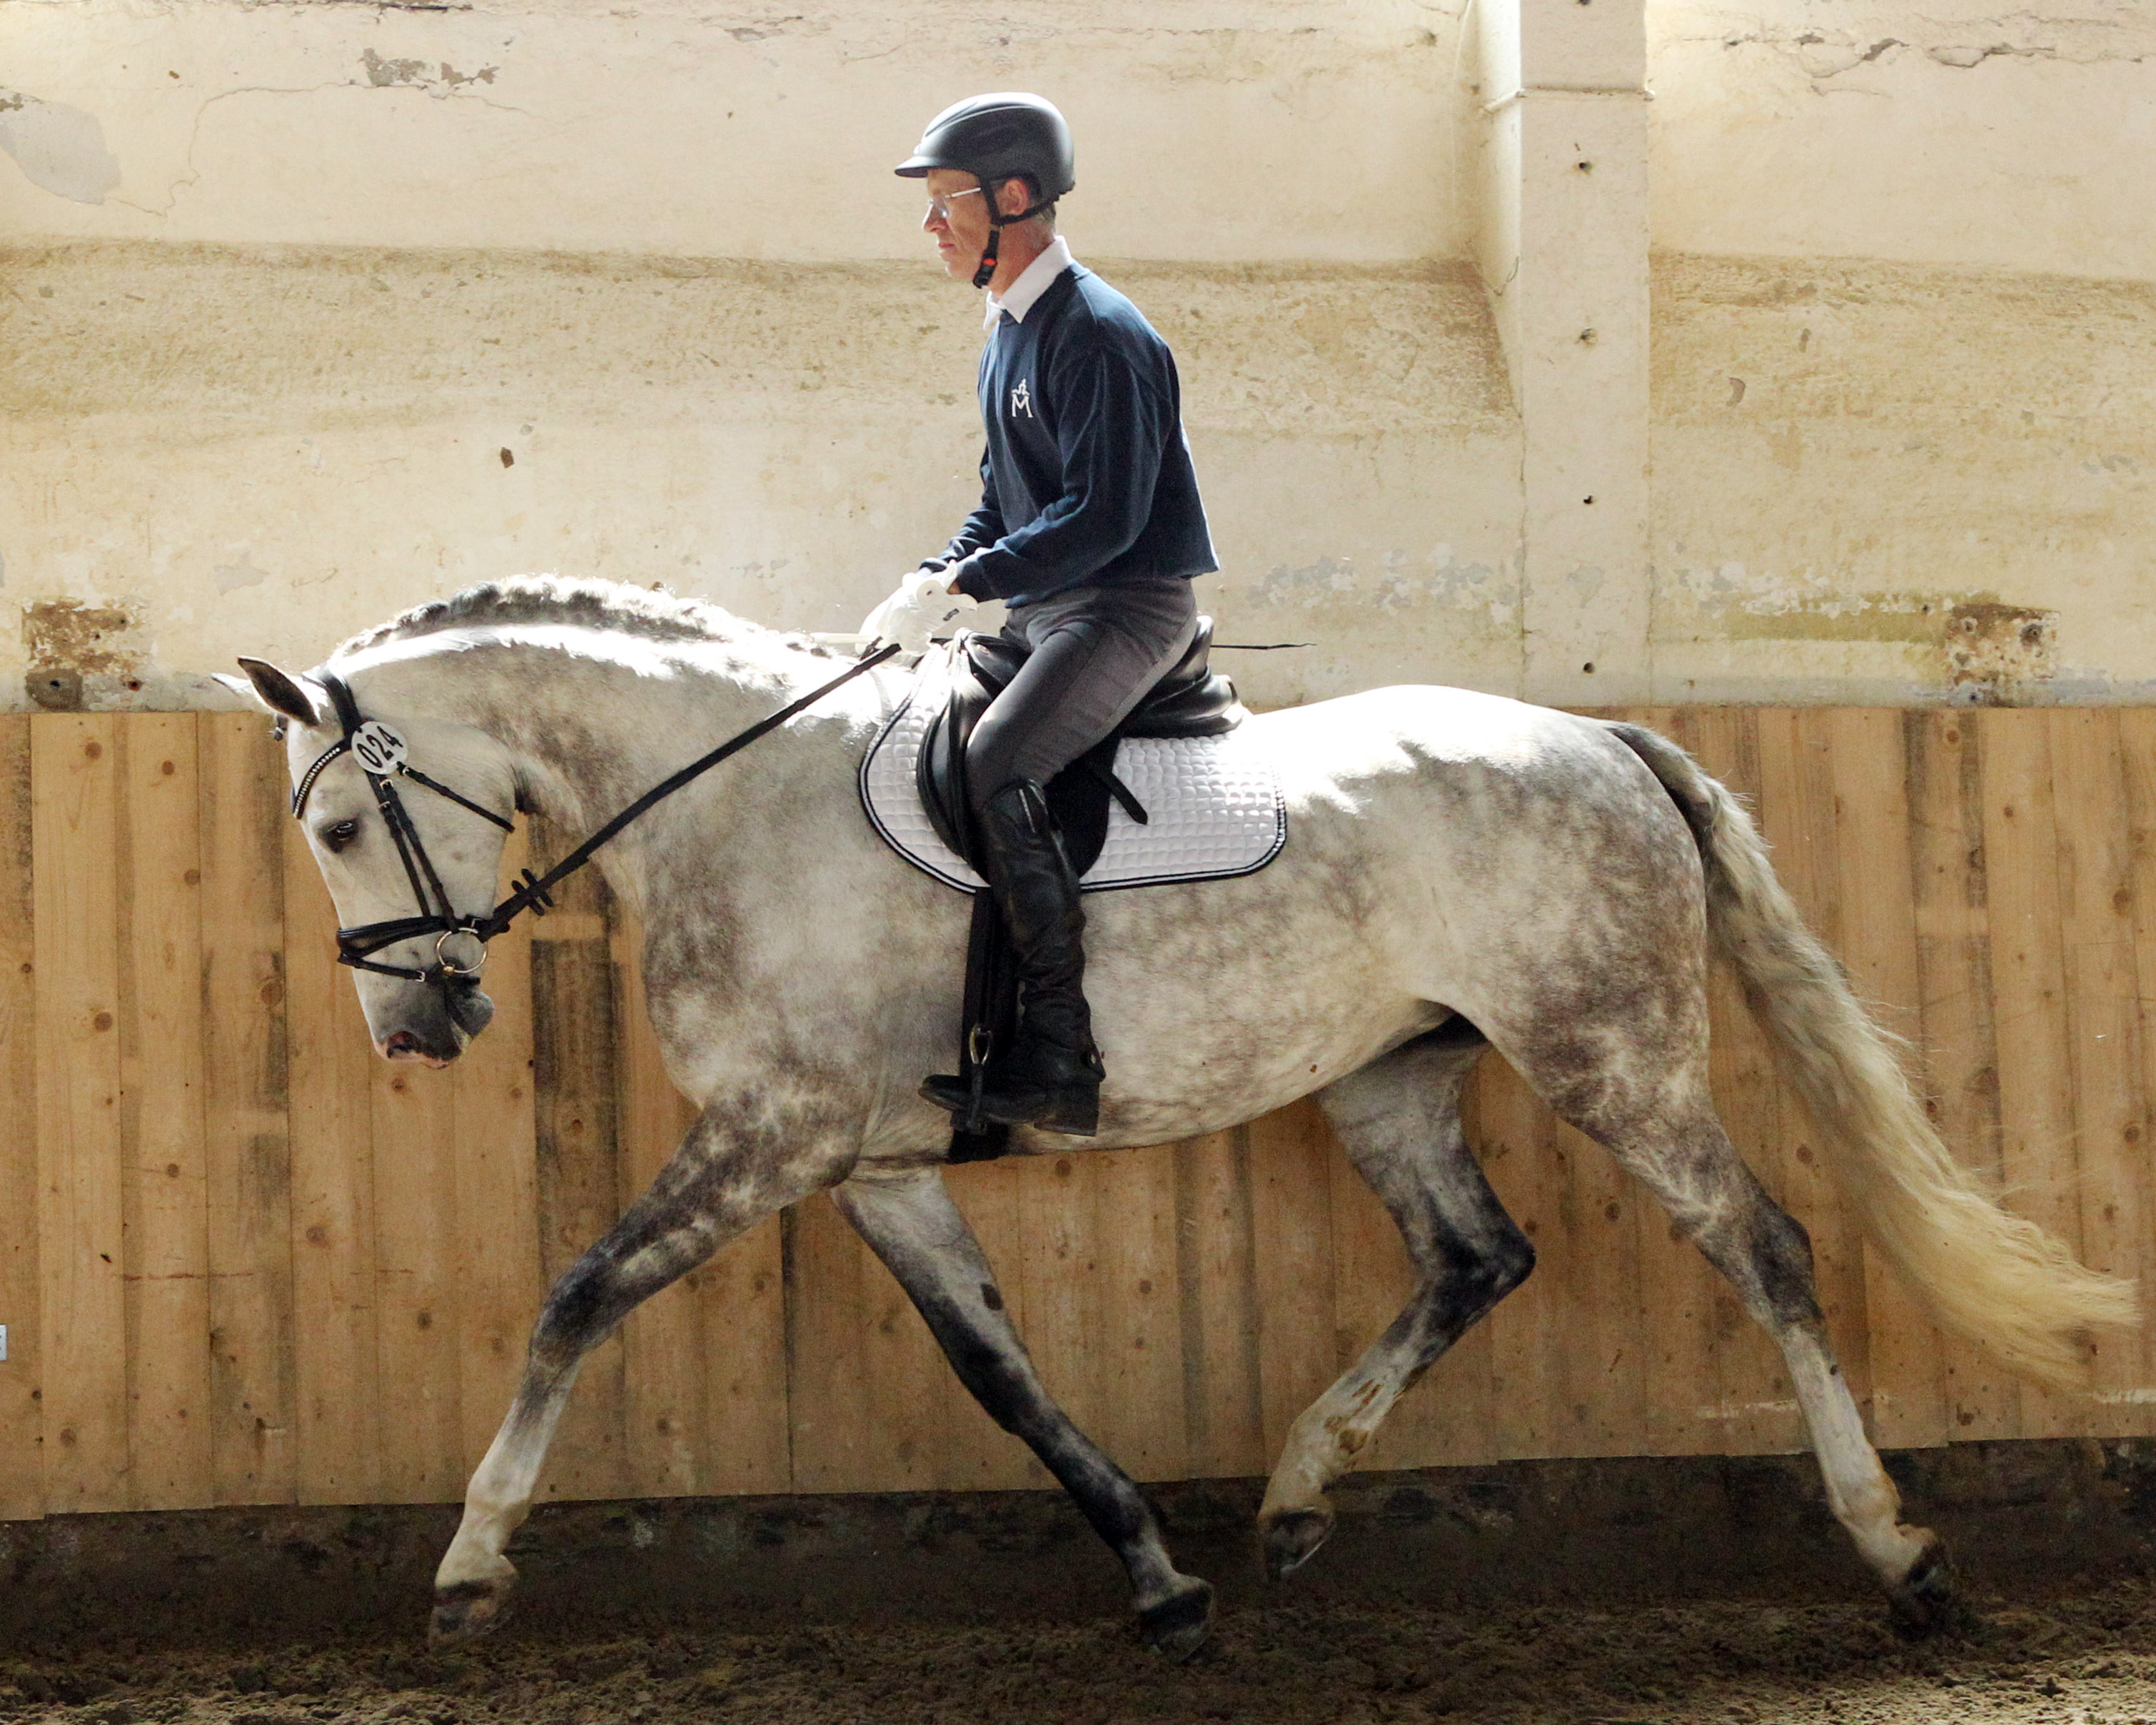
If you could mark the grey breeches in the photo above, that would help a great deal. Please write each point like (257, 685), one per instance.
(1094, 652)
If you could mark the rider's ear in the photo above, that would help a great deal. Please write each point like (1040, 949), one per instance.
(274, 690)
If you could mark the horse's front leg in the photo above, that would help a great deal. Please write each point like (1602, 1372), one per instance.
(909, 1221)
(721, 1182)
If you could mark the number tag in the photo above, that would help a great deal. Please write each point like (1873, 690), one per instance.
(377, 747)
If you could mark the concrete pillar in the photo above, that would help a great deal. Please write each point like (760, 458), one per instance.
(1562, 244)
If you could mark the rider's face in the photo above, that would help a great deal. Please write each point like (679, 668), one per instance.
(957, 219)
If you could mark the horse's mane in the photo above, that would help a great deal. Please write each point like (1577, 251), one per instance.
(580, 601)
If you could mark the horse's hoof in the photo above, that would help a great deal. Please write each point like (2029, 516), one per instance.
(1924, 1602)
(467, 1610)
(1292, 1539)
(1179, 1624)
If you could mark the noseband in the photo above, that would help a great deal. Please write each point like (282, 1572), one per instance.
(382, 755)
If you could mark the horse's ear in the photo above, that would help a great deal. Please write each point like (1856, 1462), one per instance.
(274, 690)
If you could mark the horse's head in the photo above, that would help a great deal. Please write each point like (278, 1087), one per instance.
(406, 816)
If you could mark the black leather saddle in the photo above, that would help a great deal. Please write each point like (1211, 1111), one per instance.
(1192, 700)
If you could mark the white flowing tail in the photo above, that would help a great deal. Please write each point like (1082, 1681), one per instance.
(1984, 1273)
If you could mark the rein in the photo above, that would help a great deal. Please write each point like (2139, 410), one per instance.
(380, 754)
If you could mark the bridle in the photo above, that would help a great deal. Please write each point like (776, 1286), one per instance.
(382, 754)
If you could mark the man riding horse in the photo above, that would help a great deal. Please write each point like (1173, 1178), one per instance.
(1089, 528)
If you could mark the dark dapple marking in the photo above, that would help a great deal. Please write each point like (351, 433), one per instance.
(1462, 867)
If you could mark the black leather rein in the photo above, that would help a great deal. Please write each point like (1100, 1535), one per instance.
(380, 753)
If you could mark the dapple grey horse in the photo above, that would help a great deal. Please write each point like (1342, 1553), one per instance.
(1462, 872)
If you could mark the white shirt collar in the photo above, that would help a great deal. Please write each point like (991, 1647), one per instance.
(1033, 283)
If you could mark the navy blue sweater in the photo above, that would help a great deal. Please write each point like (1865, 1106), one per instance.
(1087, 476)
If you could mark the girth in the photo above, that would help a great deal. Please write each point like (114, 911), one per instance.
(1190, 701)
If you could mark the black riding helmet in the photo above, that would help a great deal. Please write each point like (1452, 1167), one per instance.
(994, 138)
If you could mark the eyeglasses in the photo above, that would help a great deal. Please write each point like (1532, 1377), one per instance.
(939, 203)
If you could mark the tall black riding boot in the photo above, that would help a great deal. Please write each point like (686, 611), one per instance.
(1052, 1076)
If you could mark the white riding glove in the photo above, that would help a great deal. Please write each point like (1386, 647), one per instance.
(922, 605)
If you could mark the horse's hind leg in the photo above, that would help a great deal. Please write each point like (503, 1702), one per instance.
(1398, 1118)
(909, 1221)
(721, 1183)
(1652, 1109)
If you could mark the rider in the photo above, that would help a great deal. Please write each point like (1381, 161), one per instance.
(1089, 528)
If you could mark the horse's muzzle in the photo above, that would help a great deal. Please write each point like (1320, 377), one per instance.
(438, 1031)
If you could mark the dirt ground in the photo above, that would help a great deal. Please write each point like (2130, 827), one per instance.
(2078, 1658)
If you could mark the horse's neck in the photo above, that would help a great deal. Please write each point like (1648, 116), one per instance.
(589, 734)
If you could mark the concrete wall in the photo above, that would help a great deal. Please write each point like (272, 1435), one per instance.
(308, 311)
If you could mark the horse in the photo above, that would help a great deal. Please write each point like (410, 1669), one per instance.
(1463, 872)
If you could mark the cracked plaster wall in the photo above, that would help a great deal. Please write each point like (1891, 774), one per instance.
(681, 128)
(1845, 453)
(310, 311)
(1956, 132)
(262, 450)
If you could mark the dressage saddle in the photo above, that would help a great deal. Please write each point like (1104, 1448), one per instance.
(1190, 701)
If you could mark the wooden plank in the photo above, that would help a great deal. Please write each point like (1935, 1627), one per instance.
(1102, 1307)
(166, 1179)
(2136, 742)
(2103, 1032)
(1524, 1161)
(1451, 1419)
(1797, 814)
(246, 1112)
(497, 1272)
(832, 1430)
(1875, 936)
(342, 1401)
(663, 1379)
(1300, 1348)
(2028, 983)
(1139, 1344)
(74, 793)
(577, 1040)
(1373, 1277)
(416, 1283)
(976, 1454)
(704, 1374)
(1753, 1409)
(22, 1415)
(1678, 1288)
(1223, 1399)
(1950, 893)
(1230, 1278)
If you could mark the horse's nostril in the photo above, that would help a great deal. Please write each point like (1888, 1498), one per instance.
(401, 1042)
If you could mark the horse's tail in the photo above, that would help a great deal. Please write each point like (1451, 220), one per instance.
(1992, 1276)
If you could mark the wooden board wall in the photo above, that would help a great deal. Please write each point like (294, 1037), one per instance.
(246, 1262)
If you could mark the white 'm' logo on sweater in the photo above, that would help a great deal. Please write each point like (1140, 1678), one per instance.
(1022, 399)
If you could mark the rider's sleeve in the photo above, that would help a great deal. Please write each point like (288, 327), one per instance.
(1109, 429)
(983, 527)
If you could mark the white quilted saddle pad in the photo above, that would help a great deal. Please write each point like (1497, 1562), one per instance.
(1213, 806)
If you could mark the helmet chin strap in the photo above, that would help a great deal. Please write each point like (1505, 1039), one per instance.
(985, 273)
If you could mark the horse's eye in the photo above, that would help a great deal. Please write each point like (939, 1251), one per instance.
(336, 837)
